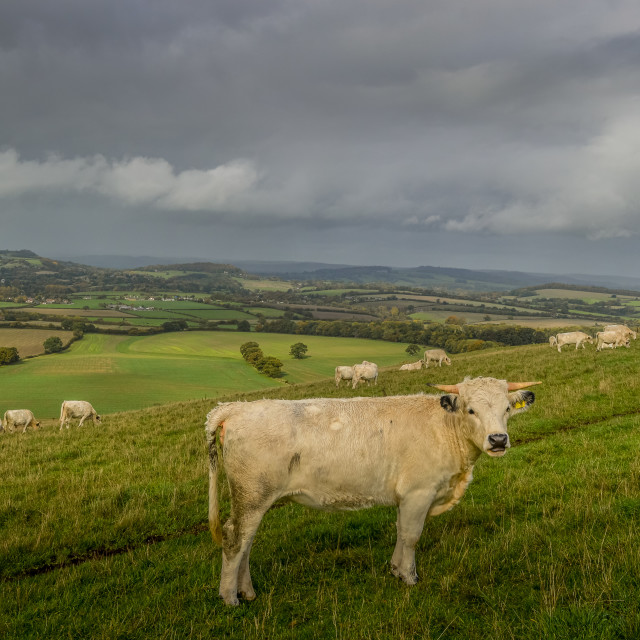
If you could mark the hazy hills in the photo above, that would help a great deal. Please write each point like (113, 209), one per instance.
(421, 276)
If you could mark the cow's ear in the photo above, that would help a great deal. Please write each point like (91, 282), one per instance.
(520, 401)
(449, 402)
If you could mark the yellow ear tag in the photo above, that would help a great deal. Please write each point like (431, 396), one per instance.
(520, 404)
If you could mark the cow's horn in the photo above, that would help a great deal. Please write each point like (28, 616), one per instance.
(514, 386)
(449, 388)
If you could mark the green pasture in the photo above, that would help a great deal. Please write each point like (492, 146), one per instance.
(267, 312)
(586, 296)
(120, 373)
(264, 285)
(104, 530)
(216, 314)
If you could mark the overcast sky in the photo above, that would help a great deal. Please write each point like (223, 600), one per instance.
(497, 134)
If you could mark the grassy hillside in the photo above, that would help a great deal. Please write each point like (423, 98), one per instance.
(120, 373)
(104, 529)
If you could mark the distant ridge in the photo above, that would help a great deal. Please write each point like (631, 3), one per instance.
(423, 276)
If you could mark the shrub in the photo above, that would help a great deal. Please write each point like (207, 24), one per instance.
(52, 344)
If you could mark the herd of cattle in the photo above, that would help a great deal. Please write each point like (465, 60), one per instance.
(71, 409)
(611, 337)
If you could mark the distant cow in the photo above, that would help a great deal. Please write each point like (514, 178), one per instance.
(610, 340)
(413, 452)
(622, 329)
(412, 366)
(579, 338)
(436, 355)
(19, 418)
(343, 373)
(366, 371)
(77, 409)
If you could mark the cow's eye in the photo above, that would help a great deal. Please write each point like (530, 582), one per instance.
(471, 412)
(508, 409)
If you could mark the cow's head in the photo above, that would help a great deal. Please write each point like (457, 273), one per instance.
(447, 360)
(98, 418)
(485, 405)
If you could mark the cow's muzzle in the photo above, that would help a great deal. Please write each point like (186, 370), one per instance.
(498, 443)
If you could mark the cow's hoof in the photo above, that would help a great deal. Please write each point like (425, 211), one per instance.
(248, 595)
(230, 600)
(410, 578)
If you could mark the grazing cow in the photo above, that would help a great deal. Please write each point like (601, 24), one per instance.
(578, 338)
(77, 409)
(412, 366)
(553, 341)
(436, 355)
(414, 452)
(19, 418)
(343, 373)
(622, 329)
(366, 371)
(610, 340)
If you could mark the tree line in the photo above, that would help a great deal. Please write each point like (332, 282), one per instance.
(452, 338)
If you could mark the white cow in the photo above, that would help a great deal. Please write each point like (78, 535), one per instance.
(578, 338)
(343, 373)
(436, 355)
(77, 409)
(366, 371)
(610, 340)
(622, 329)
(553, 341)
(19, 418)
(412, 366)
(414, 452)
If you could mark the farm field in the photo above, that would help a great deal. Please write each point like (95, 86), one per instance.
(587, 296)
(264, 285)
(121, 373)
(29, 342)
(102, 528)
(534, 322)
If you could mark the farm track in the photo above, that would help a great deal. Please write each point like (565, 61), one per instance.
(102, 553)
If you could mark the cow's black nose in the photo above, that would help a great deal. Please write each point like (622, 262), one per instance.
(498, 440)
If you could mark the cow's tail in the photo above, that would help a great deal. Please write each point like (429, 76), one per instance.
(215, 419)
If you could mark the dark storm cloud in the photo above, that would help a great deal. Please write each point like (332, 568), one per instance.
(491, 117)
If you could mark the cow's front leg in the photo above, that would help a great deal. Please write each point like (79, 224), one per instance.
(412, 512)
(82, 420)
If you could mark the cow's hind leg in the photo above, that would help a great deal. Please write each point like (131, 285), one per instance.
(412, 512)
(238, 533)
(245, 586)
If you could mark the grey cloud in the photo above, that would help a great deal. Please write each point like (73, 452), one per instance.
(490, 117)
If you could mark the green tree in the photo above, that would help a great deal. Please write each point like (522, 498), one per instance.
(8, 355)
(270, 366)
(413, 349)
(52, 344)
(298, 350)
(243, 325)
(247, 347)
